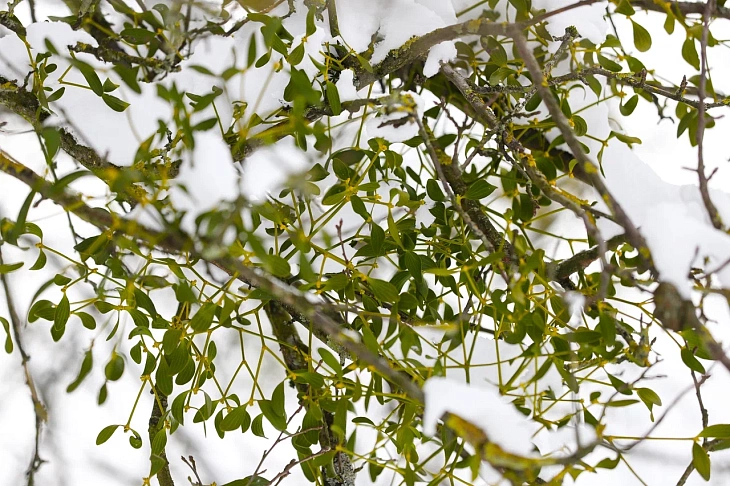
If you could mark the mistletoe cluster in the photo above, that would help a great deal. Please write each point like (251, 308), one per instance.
(403, 250)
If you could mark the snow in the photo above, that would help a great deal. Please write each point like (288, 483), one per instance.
(440, 53)
(360, 21)
(575, 303)
(266, 171)
(346, 86)
(589, 19)
(672, 218)
(207, 179)
(484, 407)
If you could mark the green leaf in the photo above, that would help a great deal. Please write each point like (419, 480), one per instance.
(689, 53)
(648, 396)
(203, 319)
(250, 481)
(8, 339)
(90, 75)
(580, 127)
(114, 368)
(234, 419)
(257, 426)
(159, 441)
(311, 25)
(413, 264)
(628, 107)
(251, 55)
(691, 361)
(10, 267)
(86, 365)
(364, 63)
(609, 64)
(205, 125)
(86, 320)
(56, 95)
(333, 98)
(621, 403)
(277, 400)
(40, 262)
(497, 54)
(135, 440)
(377, 238)
(271, 412)
(625, 8)
(52, 139)
(669, 23)
(114, 103)
(720, 431)
(393, 230)
(63, 311)
(106, 434)
(42, 309)
(17, 230)
(479, 189)
(137, 36)
(642, 38)
(383, 291)
(701, 461)
(330, 360)
(277, 266)
(61, 280)
(433, 189)
(157, 462)
(296, 55)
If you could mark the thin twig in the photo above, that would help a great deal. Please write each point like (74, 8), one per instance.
(39, 410)
(704, 190)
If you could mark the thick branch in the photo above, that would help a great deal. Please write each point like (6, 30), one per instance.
(581, 260)
(159, 408)
(418, 47)
(25, 104)
(295, 354)
(117, 57)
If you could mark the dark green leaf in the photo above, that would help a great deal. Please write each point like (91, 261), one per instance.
(203, 319)
(106, 434)
(114, 103)
(609, 64)
(628, 107)
(333, 98)
(383, 291)
(479, 189)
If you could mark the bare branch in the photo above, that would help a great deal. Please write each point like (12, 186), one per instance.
(704, 190)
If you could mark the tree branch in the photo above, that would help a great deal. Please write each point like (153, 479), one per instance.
(684, 8)
(39, 410)
(704, 190)
(156, 423)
